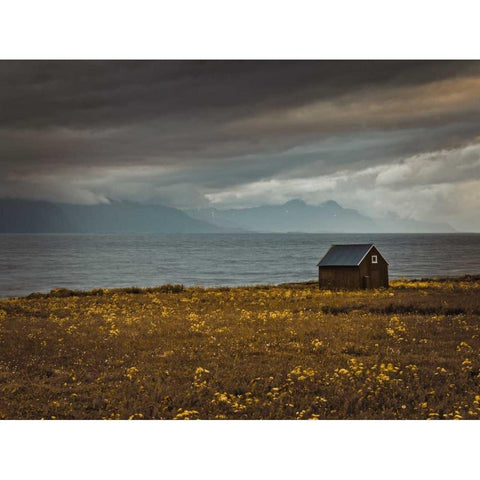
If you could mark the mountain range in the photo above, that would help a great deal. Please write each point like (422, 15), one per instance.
(297, 216)
(26, 216)
(30, 216)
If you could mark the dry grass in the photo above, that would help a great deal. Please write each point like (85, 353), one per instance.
(283, 352)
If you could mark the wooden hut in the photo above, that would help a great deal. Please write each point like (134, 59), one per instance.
(353, 266)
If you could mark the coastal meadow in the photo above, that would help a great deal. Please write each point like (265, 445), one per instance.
(263, 352)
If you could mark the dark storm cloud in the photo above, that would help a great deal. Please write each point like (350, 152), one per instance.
(79, 94)
(184, 132)
(182, 107)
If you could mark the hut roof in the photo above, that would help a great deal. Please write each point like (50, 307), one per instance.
(345, 255)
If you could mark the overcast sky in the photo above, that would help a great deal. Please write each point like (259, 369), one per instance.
(400, 137)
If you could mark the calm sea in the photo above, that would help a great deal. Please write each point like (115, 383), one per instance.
(38, 263)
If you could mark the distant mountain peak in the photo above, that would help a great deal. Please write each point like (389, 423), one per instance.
(332, 204)
(296, 202)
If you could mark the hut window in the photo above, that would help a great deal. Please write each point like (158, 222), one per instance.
(374, 259)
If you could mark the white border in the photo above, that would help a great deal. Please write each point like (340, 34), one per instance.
(239, 450)
(266, 29)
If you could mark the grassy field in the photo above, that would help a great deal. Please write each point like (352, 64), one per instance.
(270, 352)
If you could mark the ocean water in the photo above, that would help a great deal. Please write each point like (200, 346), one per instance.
(38, 263)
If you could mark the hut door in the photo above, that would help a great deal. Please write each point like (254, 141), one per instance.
(375, 279)
(366, 282)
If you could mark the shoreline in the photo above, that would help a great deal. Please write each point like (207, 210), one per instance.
(62, 292)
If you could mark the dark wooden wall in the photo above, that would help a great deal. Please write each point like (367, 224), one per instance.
(339, 277)
(374, 275)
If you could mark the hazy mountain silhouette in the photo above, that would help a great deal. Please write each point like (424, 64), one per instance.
(396, 224)
(26, 216)
(297, 216)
